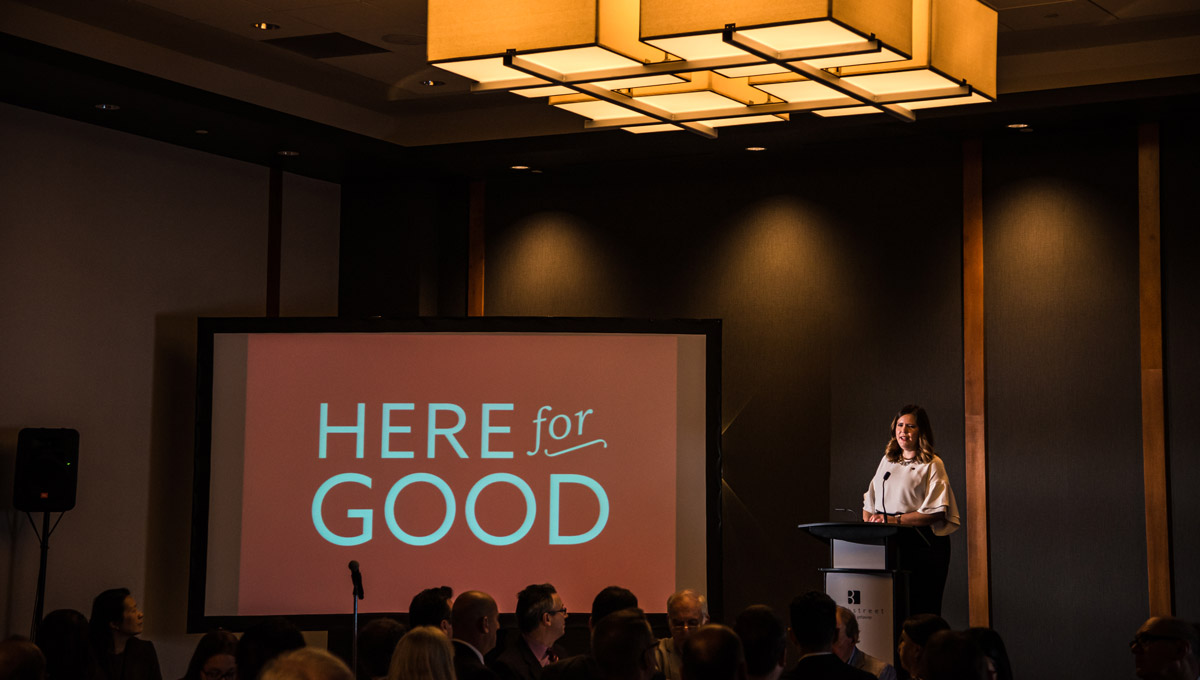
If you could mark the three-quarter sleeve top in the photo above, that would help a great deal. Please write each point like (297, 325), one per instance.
(914, 487)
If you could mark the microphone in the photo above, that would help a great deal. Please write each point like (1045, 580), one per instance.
(356, 579)
(882, 495)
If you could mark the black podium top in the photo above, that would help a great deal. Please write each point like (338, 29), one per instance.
(869, 533)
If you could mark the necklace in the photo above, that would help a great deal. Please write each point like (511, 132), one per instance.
(905, 462)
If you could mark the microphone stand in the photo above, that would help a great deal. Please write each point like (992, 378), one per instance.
(356, 579)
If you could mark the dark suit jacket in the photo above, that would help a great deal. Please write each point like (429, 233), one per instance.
(825, 667)
(516, 662)
(582, 667)
(467, 666)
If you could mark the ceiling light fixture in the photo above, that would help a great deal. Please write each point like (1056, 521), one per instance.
(201, 131)
(288, 154)
(519, 167)
(657, 65)
(1018, 126)
(108, 107)
(756, 148)
(433, 83)
(264, 26)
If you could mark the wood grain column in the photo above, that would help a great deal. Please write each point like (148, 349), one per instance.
(475, 258)
(975, 425)
(1154, 453)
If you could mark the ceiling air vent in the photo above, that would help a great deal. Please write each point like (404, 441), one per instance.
(325, 45)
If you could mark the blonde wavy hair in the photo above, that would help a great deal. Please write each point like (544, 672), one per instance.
(925, 436)
(424, 653)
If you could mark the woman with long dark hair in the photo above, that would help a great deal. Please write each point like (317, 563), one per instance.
(214, 658)
(115, 625)
(911, 488)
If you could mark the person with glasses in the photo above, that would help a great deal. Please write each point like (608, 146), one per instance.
(1166, 648)
(687, 610)
(214, 658)
(541, 621)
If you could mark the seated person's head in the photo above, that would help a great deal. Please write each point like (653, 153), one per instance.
(611, 599)
(814, 621)
(432, 607)
(424, 653)
(306, 664)
(476, 620)
(763, 640)
(21, 660)
(63, 638)
(623, 646)
(914, 635)
(990, 642)
(847, 634)
(687, 610)
(713, 652)
(952, 655)
(1166, 647)
(215, 657)
(376, 642)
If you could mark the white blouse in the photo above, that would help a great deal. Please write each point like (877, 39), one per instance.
(916, 487)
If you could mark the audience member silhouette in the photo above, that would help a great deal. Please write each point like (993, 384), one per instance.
(1166, 648)
(687, 610)
(307, 663)
(845, 646)
(814, 627)
(541, 621)
(424, 653)
(215, 657)
(989, 641)
(20, 659)
(377, 642)
(764, 642)
(712, 652)
(64, 638)
(623, 646)
(431, 607)
(914, 635)
(116, 623)
(953, 655)
(476, 621)
(583, 666)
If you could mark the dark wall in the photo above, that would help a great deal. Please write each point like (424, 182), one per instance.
(1068, 539)
(1181, 361)
(838, 283)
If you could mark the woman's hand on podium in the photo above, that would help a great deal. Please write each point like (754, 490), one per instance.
(878, 518)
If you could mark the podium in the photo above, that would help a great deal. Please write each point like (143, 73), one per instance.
(865, 577)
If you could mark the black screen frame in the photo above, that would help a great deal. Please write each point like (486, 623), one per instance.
(208, 327)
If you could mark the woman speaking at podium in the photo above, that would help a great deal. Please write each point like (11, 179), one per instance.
(911, 488)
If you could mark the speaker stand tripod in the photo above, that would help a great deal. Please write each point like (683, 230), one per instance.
(44, 542)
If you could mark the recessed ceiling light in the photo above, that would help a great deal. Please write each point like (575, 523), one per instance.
(202, 132)
(756, 148)
(1018, 126)
(264, 26)
(520, 167)
(289, 154)
(433, 83)
(108, 107)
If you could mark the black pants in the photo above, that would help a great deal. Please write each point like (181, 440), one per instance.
(927, 559)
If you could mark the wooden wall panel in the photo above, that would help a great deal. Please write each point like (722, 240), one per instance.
(974, 388)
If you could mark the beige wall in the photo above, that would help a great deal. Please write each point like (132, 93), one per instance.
(110, 246)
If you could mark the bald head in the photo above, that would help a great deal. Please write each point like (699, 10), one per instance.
(476, 619)
(713, 652)
(1166, 648)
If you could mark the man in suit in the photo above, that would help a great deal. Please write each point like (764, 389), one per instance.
(845, 646)
(541, 621)
(712, 652)
(431, 607)
(476, 621)
(814, 627)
